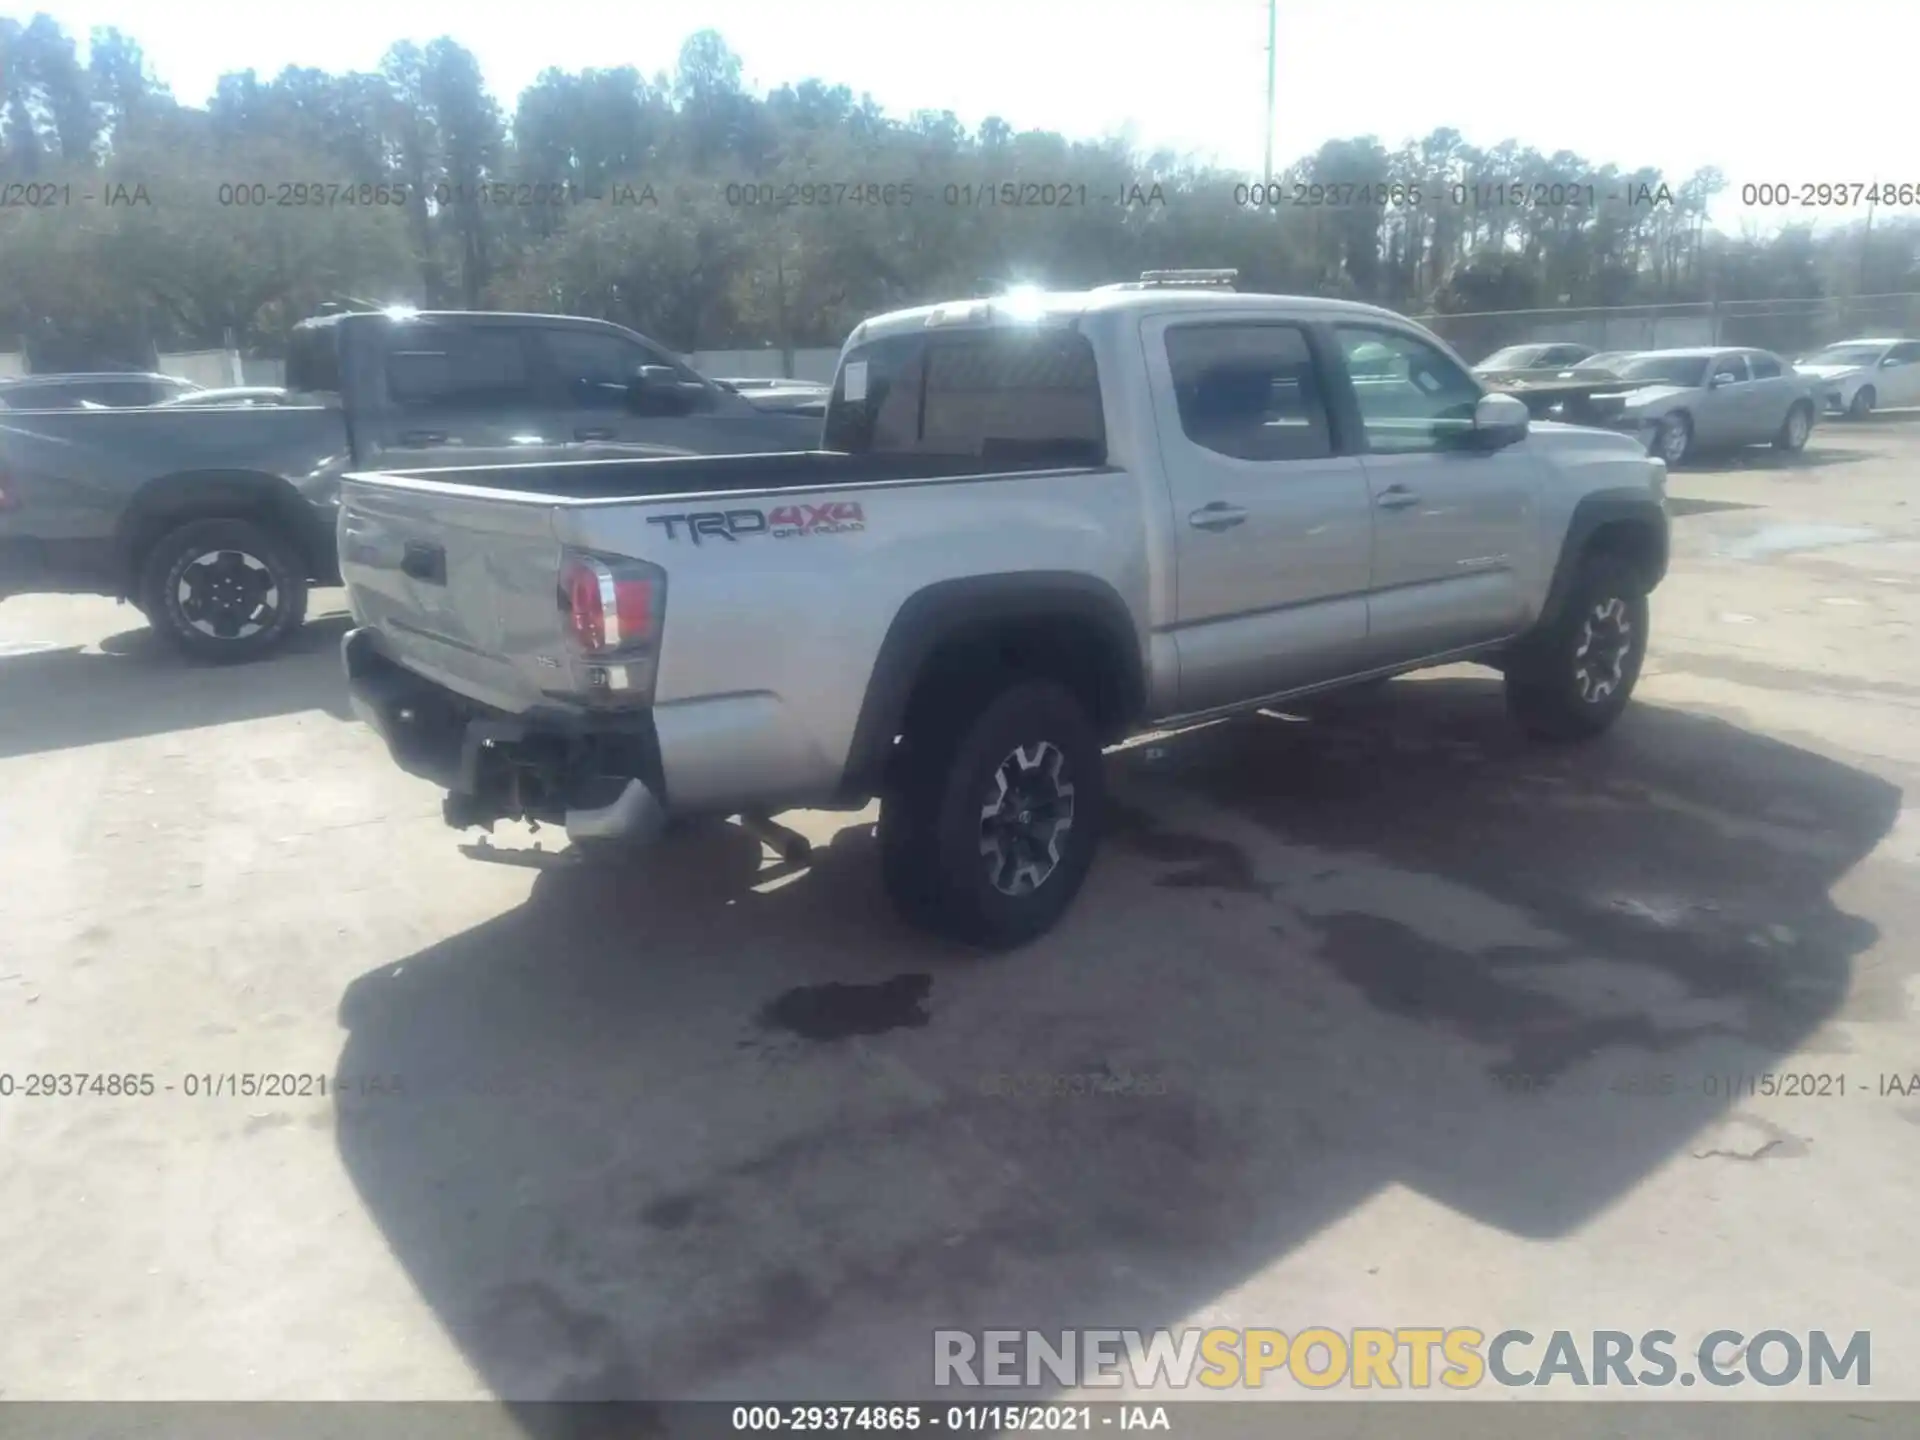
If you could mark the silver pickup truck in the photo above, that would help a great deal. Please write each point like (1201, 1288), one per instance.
(1041, 524)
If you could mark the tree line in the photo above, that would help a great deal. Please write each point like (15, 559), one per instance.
(708, 216)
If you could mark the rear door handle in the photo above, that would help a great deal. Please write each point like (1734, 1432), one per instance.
(423, 437)
(594, 432)
(1397, 497)
(1217, 516)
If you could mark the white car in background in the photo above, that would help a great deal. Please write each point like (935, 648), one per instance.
(1857, 377)
(231, 395)
(791, 397)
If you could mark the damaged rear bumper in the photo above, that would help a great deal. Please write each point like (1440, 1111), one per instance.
(599, 776)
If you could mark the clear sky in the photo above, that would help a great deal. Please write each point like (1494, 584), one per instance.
(1768, 92)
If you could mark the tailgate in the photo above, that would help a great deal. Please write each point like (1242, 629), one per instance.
(461, 587)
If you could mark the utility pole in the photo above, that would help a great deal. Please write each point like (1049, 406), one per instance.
(1272, 56)
(1866, 247)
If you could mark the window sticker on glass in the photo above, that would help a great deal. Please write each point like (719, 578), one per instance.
(856, 378)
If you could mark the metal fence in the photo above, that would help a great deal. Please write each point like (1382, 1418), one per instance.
(766, 364)
(1789, 326)
(217, 369)
(212, 369)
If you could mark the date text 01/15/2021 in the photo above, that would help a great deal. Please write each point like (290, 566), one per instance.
(903, 194)
(1051, 194)
(524, 194)
(1456, 195)
(1723, 1085)
(194, 1085)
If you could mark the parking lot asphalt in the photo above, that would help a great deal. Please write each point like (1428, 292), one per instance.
(1372, 1014)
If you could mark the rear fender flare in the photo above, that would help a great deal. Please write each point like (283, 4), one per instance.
(173, 500)
(949, 609)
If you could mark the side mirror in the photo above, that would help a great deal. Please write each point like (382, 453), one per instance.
(1724, 377)
(1892, 362)
(1499, 421)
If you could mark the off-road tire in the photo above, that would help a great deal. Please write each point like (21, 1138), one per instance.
(1546, 691)
(266, 567)
(932, 819)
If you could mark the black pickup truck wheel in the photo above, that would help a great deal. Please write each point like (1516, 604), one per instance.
(224, 590)
(1571, 679)
(990, 823)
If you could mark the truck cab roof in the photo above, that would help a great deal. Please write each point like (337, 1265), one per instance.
(1023, 307)
(401, 314)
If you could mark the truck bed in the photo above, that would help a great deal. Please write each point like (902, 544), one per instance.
(457, 569)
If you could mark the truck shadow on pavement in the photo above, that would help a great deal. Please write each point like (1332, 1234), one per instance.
(1386, 943)
(137, 685)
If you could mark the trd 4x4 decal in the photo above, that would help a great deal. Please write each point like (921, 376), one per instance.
(783, 522)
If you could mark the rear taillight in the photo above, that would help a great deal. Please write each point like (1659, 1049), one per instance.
(613, 610)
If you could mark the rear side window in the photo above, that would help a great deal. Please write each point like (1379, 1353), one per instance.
(114, 394)
(313, 360)
(1003, 397)
(44, 397)
(464, 368)
(1249, 391)
(1765, 367)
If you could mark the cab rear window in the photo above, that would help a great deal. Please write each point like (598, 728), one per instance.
(1013, 398)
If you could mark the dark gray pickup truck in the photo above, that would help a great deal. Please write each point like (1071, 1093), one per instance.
(216, 520)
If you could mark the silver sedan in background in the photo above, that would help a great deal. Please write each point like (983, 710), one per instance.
(1686, 402)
